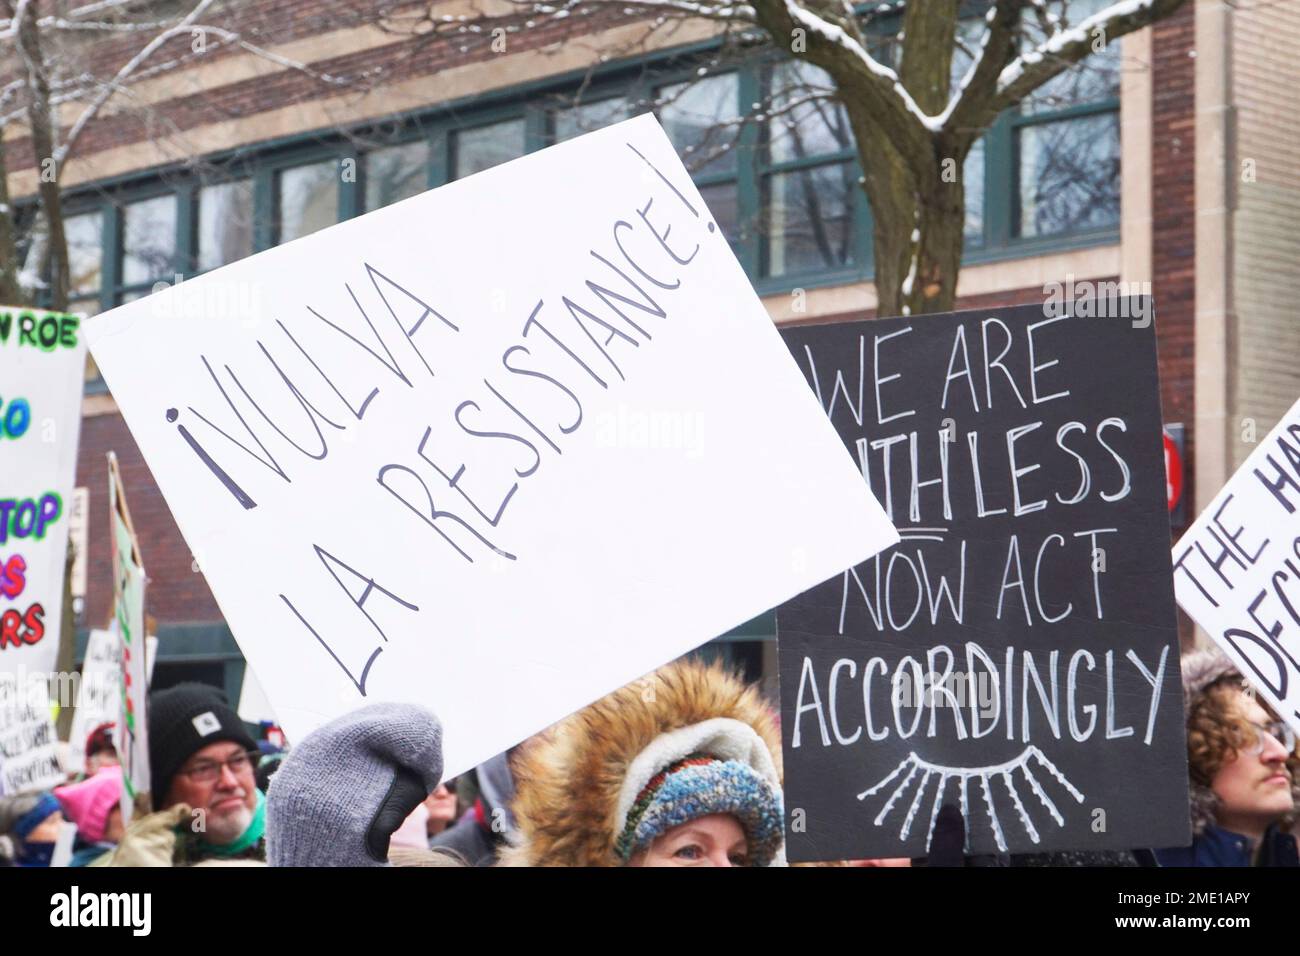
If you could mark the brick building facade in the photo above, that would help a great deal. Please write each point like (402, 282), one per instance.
(264, 131)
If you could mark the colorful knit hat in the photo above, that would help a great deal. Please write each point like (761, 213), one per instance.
(715, 766)
(24, 812)
(89, 803)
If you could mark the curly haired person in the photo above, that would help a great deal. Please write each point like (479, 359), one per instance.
(1242, 766)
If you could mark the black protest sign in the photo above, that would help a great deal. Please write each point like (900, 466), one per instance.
(1016, 654)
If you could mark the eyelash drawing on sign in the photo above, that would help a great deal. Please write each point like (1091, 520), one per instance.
(985, 775)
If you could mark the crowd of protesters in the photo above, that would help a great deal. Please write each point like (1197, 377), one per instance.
(688, 774)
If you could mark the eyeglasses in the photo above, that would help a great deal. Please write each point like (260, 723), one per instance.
(1279, 730)
(209, 771)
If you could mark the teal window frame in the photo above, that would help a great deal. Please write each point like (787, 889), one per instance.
(755, 203)
(635, 80)
(115, 212)
(1008, 213)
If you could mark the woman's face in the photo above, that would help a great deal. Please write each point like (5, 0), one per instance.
(1254, 790)
(715, 840)
(441, 804)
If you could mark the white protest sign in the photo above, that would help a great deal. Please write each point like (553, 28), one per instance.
(63, 844)
(132, 737)
(29, 758)
(253, 705)
(497, 449)
(1237, 568)
(42, 366)
(99, 694)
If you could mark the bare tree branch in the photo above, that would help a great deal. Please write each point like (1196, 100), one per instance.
(970, 107)
(127, 69)
(1068, 46)
(859, 75)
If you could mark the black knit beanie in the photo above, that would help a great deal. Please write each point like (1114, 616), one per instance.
(182, 721)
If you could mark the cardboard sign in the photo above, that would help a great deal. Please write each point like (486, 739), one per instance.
(29, 758)
(132, 736)
(1016, 654)
(1237, 568)
(497, 449)
(99, 694)
(78, 531)
(42, 364)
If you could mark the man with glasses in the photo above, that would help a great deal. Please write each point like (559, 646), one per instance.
(202, 757)
(1242, 765)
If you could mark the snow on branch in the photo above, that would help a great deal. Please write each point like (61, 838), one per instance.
(977, 86)
(9, 28)
(88, 9)
(1068, 45)
(133, 70)
(184, 26)
(839, 37)
(708, 11)
(101, 26)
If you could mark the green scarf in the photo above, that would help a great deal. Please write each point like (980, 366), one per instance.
(248, 839)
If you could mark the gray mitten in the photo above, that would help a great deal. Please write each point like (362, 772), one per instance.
(342, 791)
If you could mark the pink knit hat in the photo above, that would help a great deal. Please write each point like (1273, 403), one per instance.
(88, 803)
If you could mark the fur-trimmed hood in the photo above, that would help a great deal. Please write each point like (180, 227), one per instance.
(569, 779)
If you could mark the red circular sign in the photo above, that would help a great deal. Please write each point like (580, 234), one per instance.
(1173, 473)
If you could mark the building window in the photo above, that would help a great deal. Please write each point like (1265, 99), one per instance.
(1069, 175)
(308, 199)
(85, 237)
(700, 118)
(973, 179)
(570, 121)
(809, 224)
(225, 223)
(148, 241)
(1066, 144)
(395, 173)
(783, 187)
(474, 150)
(809, 175)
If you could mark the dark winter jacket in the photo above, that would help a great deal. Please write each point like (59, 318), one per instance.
(471, 837)
(1215, 846)
(484, 828)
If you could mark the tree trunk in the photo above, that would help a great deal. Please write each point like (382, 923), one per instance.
(41, 121)
(918, 220)
(11, 290)
(936, 258)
